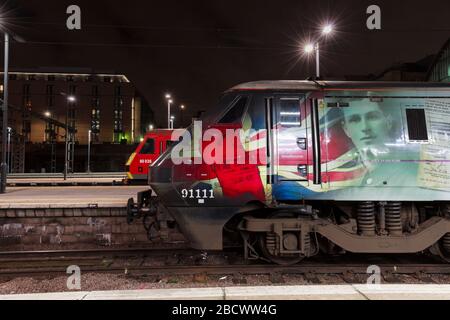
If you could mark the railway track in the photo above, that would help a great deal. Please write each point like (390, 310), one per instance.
(182, 261)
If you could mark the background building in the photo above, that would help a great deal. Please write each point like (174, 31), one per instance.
(440, 69)
(409, 71)
(434, 67)
(106, 104)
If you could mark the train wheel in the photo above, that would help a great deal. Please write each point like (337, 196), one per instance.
(442, 247)
(267, 242)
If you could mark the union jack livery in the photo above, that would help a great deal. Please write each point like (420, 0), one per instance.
(291, 168)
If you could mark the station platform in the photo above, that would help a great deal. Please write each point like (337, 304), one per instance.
(302, 292)
(60, 182)
(69, 175)
(57, 179)
(67, 197)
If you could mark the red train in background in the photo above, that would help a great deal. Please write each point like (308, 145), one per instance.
(151, 147)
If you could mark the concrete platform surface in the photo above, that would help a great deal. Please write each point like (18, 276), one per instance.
(308, 292)
(62, 181)
(67, 197)
(118, 175)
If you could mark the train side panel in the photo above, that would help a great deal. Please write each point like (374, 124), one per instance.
(374, 146)
(386, 147)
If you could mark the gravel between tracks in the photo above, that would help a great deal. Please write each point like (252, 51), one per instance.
(102, 281)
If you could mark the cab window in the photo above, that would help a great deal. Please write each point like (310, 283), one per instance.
(289, 113)
(149, 147)
(234, 115)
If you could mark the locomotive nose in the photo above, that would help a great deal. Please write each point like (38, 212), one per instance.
(160, 174)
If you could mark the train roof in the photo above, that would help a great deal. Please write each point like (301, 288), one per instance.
(309, 85)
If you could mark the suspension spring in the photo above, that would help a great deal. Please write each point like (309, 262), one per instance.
(446, 242)
(307, 242)
(393, 218)
(271, 242)
(366, 218)
(446, 238)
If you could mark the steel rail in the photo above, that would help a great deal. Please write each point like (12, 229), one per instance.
(34, 263)
(312, 269)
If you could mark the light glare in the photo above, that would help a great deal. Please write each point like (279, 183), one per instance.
(327, 29)
(309, 48)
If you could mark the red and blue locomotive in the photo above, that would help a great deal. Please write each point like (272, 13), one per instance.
(291, 168)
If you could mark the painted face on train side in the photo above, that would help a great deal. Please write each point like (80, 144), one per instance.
(366, 125)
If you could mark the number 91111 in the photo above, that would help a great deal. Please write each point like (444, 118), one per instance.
(197, 193)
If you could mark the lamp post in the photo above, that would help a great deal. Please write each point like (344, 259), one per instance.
(182, 107)
(9, 150)
(310, 47)
(4, 165)
(169, 101)
(172, 119)
(69, 98)
(89, 152)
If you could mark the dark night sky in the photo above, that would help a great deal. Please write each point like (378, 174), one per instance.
(196, 49)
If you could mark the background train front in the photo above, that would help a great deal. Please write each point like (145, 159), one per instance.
(149, 149)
